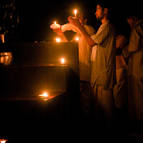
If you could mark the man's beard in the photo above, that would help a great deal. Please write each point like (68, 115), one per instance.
(100, 18)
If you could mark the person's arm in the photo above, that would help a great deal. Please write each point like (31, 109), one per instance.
(62, 36)
(102, 34)
(133, 45)
(134, 41)
(68, 27)
(82, 31)
(58, 30)
(121, 43)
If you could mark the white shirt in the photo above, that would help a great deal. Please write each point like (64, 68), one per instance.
(103, 57)
(84, 50)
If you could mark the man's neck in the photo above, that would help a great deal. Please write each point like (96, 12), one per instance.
(104, 20)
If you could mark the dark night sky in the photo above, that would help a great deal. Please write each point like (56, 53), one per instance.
(36, 16)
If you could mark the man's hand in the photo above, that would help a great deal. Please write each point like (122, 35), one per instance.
(74, 21)
(56, 28)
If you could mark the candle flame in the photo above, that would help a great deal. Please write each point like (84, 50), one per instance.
(77, 38)
(45, 94)
(75, 12)
(58, 40)
(55, 22)
(62, 60)
(3, 140)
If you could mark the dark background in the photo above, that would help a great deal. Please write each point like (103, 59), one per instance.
(37, 15)
(35, 19)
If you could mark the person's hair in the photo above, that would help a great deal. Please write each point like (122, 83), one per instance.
(105, 4)
(134, 16)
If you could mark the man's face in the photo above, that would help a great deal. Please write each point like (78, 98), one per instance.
(131, 21)
(99, 12)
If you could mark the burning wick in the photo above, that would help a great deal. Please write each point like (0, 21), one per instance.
(75, 12)
(58, 40)
(62, 60)
(3, 140)
(55, 25)
(76, 38)
(44, 95)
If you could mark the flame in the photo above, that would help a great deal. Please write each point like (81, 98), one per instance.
(55, 22)
(3, 140)
(75, 12)
(62, 60)
(58, 39)
(77, 38)
(45, 94)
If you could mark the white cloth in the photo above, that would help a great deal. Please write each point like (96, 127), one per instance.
(84, 50)
(93, 54)
(135, 72)
(135, 48)
(67, 27)
(55, 26)
(103, 57)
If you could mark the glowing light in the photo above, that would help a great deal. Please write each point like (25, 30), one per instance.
(62, 60)
(75, 12)
(58, 40)
(3, 140)
(55, 25)
(44, 95)
(77, 38)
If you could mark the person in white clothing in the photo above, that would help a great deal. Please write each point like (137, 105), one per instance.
(103, 70)
(134, 52)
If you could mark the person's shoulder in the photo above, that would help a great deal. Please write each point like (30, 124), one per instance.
(139, 23)
(138, 28)
(107, 24)
(89, 29)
